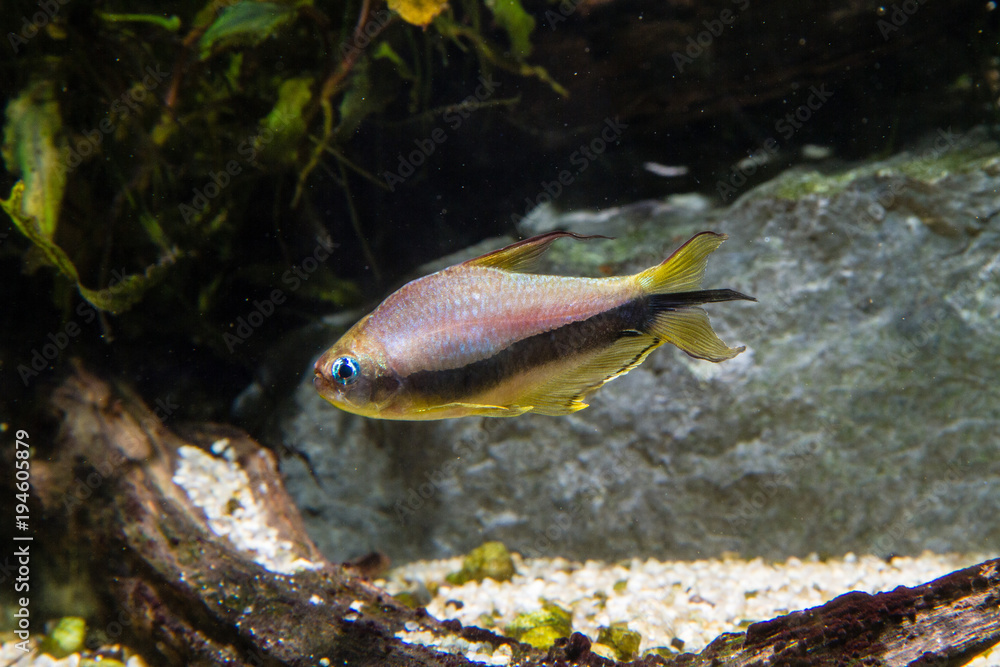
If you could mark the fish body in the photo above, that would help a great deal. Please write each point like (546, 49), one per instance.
(485, 337)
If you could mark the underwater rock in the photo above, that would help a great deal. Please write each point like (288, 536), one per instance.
(862, 416)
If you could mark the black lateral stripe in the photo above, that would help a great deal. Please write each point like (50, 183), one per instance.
(669, 301)
(575, 338)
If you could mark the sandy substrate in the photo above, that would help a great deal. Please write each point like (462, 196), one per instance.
(678, 605)
(683, 605)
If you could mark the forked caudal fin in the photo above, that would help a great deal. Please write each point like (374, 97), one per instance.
(684, 269)
(674, 296)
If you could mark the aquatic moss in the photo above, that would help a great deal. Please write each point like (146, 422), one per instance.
(490, 560)
(172, 171)
(245, 24)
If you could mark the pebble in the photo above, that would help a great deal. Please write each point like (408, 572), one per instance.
(677, 605)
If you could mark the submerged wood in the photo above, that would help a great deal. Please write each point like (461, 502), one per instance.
(188, 596)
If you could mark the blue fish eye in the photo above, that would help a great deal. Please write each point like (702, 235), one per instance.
(345, 370)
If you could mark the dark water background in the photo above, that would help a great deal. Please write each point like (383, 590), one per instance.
(700, 86)
(721, 94)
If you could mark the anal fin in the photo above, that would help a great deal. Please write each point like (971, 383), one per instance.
(565, 392)
(469, 409)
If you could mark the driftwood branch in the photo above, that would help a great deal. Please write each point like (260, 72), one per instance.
(186, 595)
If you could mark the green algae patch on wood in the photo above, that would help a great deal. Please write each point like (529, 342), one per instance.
(490, 560)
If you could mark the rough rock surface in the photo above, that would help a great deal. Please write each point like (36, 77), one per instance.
(862, 417)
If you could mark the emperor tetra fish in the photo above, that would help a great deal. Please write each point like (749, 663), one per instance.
(485, 337)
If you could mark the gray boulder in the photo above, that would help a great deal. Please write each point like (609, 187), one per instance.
(864, 415)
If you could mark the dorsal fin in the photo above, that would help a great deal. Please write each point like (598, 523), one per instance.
(523, 256)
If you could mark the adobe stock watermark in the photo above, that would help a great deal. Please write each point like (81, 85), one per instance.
(416, 497)
(906, 348)
(82, 488)
(38, 21)
(759, 322)
(946, 140)
(118, 112)
(293, 279)
(218, 181)
(362, 39)
(566, 8)
(581, 158)
(892, 537)
(750, 506)
(898, 15)
(787, 126)
(545, 540)
(454, 116)
(60, 339)
(697, 44)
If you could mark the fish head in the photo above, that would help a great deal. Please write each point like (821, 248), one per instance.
(355, 376)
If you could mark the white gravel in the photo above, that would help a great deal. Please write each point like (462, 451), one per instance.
(221, 488)
(12, 656)
(676, 601)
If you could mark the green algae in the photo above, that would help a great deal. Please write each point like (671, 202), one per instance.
(927, 166)
(541, 628)
(625, 642)
(245, 24)
(163, 168)
(490, 560)
(65, 638)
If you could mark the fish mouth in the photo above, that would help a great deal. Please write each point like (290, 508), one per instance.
(321, 384)
(328, 391)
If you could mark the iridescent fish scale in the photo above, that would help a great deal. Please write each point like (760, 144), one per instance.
(485, 337)
(452, 318)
